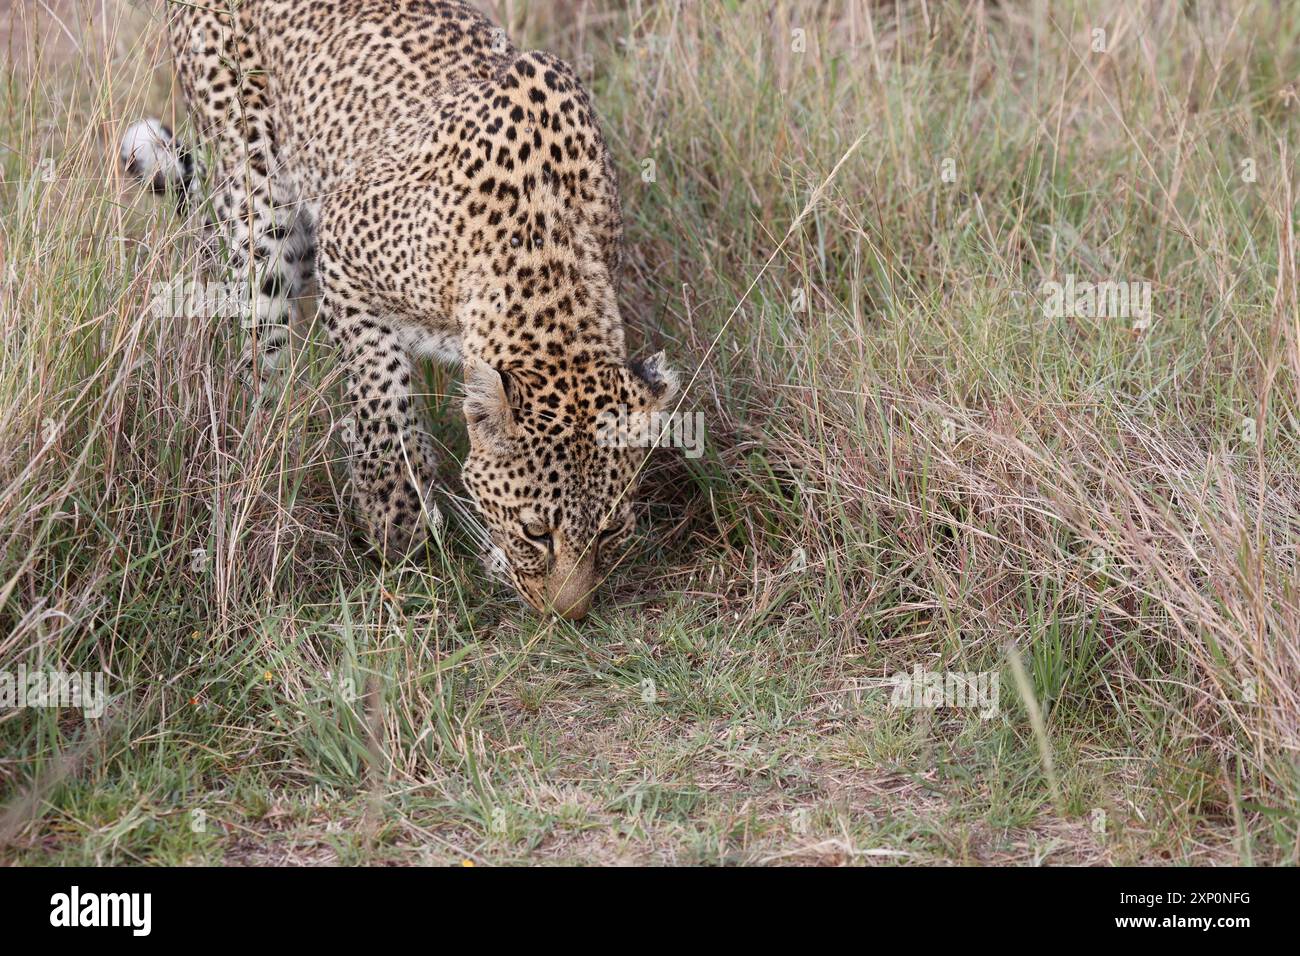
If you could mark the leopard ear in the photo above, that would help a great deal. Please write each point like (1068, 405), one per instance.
(488, 412)
(657, 381)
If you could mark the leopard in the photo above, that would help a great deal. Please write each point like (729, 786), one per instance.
(444, 195)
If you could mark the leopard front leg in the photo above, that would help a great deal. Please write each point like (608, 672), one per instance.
(391, 457)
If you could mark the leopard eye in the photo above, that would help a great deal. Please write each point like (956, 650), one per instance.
(537, 534)
(614, 532)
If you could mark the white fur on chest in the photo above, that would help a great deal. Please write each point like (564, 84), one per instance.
(428, 343)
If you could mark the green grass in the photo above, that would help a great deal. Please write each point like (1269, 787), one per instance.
(918, 468)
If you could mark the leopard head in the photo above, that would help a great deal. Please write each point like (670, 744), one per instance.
(551, 478)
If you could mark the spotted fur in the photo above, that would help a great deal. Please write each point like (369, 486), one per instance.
(456, 200)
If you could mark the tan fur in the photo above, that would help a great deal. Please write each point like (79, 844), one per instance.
(456, 199)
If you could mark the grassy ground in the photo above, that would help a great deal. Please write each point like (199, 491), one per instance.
(843, 214)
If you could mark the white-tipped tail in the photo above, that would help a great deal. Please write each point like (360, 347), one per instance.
(149, 152)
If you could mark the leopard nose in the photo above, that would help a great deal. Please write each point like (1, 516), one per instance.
(577, 610)
(570, 589)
